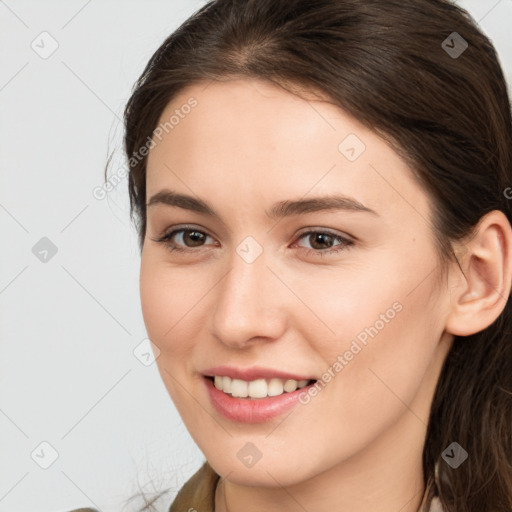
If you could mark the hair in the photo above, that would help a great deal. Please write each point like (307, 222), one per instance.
(448, 117)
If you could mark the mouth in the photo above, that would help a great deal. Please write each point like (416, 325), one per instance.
(257, 405)
(259, 388)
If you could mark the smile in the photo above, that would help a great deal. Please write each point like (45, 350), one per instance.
(259, 388)
(250, 409)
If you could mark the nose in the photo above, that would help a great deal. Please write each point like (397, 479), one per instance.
(249, 304)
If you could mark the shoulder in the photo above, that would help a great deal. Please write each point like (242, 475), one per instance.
(198, 492)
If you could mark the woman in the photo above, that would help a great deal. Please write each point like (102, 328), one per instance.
(322, 193)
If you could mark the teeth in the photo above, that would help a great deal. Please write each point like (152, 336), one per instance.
(226, 384)
(259, 388)
(290, 385)
(275, 387)
(238, 388)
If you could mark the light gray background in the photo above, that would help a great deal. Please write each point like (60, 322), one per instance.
(69, 326)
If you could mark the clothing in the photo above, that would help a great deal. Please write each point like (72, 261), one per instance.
(199, 493)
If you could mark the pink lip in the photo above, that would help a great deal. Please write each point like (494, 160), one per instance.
(256, 372)
(248, 410)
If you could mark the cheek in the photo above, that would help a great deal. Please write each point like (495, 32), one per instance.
(174, 307)
(381, 339)
(386, 353)
(154, 302)
(167, 298)
(168, 295)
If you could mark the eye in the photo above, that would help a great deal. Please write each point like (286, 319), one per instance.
(190, 237)
(322, 242)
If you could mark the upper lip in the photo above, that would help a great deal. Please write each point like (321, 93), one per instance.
(253, 373)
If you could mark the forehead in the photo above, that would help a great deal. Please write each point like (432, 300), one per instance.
(258, 140)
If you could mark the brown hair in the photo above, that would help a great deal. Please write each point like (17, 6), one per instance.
(447, 115)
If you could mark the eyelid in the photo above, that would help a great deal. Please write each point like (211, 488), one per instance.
(318, 229)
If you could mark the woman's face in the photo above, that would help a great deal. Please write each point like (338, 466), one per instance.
(268, 279)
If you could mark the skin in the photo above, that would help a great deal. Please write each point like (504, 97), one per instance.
(357, 445)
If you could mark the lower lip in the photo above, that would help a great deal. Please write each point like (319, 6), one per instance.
(257, 410)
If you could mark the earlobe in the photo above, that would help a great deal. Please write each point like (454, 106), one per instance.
(481, 293)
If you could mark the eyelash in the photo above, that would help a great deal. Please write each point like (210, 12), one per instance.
(344, 244)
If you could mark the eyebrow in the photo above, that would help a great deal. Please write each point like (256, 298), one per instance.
(278, 210)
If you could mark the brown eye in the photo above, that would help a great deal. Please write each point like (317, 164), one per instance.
(192, 238)
(320, 240)
(183, 239)
(323, 242)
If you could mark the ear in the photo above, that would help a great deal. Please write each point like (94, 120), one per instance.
(479, 297)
